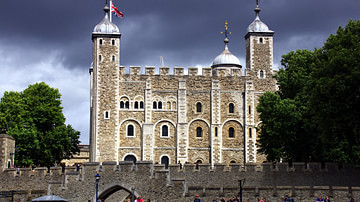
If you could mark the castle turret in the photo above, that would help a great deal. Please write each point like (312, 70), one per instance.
(259, 72)
(226, 62)
(259, 48)
(104, 110)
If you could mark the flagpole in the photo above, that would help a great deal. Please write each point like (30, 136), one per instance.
(111, 10)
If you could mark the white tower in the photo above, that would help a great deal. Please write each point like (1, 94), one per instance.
(104, 87)
(259, 71)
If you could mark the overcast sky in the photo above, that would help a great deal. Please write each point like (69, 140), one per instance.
(50, 41)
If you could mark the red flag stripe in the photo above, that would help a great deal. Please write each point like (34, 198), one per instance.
(116, 11)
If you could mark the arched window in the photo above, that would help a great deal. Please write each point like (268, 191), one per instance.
(231, 132)
(99, 58)
(113, 58)
(141, 105)
(154, 105)
(130, 158)
(198, 132)
(130, 131)
(160, 105)
(100, 41)
(165, 131)
(231, 108)
(216, 131)
(250, 133)
(165, 160)
(136, 105)
(232, 161)
(127, 104)
(261, 74)
(174, 105)
(113, 42)
(198, 162)
(261, 40)
(198, 107)
(249, 109)
(122, 105)
(168, 105)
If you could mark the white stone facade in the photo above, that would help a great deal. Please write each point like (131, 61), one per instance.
(210, 117)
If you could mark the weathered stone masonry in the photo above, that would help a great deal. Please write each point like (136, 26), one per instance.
(174, 184)
(207, 116)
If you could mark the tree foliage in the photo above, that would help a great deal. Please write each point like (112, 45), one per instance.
(34, 118)
(315, 114)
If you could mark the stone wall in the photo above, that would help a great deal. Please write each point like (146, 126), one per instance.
(179, 95)
(303, 183)
(78, 158)
(7, 151)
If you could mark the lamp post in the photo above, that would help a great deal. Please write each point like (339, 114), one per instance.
(97, 179)
(132, 194)
(240, 191)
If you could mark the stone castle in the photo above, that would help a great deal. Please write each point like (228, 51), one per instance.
(158, 120)
(208, 117)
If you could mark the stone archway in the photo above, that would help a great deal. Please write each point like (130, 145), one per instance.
(165, 160)
(130, 158)
(117, 193)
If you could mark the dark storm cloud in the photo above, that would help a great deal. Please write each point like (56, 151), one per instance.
(177, 29)
(48, 40)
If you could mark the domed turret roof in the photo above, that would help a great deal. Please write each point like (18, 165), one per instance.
(105, 26)
(226, 58)
(257, 25)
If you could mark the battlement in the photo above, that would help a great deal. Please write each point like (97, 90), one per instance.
(267, 179)
(181, 71)
(141, 166)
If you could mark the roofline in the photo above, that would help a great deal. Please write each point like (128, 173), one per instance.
(259, 34)
(96, 35)
(226, 65)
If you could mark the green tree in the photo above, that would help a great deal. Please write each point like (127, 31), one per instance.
(35, 119)
(315, 114)
(335, 96)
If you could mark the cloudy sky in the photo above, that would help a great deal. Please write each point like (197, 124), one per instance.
(50, 41)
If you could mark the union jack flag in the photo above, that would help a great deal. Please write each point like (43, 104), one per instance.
(116, 11)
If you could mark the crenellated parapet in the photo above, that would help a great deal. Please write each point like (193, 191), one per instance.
(303, 170)
(180, 71)
(299, 180)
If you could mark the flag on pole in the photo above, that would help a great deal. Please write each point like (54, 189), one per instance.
(114, 10)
